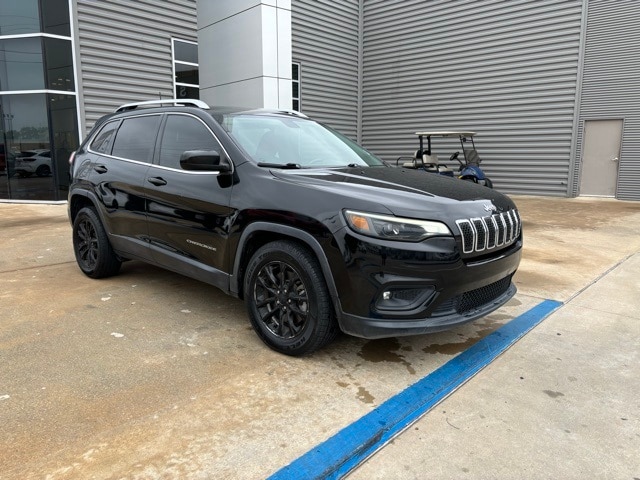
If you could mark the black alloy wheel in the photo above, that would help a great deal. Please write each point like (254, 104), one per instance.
(91, 246)
(281, 298)
(287, 298)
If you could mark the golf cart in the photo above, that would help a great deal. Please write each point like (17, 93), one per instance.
(425, 159)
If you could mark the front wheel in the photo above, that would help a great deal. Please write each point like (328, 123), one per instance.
(91, 246)
(287, 298)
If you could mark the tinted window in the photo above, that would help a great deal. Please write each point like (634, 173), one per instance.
(185, 51)
(136, 138)
(101, 143)
(58, 64)
(182, 133)
(19, 17)
(21, 64)
(55, 17)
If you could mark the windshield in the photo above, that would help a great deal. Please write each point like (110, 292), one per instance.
(295, 142)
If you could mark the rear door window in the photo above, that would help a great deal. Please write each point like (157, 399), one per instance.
(136, 138)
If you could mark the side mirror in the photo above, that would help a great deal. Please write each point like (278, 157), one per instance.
(204, 160)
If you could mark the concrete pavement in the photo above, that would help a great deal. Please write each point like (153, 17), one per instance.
(562, 403)
(153, 375)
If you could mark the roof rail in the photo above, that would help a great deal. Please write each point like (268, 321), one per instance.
(173, 101)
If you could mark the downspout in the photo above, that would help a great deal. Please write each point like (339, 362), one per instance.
(574, 164)
(360, 70)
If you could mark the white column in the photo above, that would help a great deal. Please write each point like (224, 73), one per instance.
(244, 52)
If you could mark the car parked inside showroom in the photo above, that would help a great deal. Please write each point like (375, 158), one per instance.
(316, 234)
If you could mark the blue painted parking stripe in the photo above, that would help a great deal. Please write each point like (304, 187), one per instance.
(341, 453)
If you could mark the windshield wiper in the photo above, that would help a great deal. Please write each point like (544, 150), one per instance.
(294, 166)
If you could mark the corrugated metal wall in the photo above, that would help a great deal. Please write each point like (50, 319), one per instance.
(325, 39)
(611, 83)
(507, 70)
(125, 50)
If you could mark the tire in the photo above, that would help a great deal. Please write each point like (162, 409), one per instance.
(91, 246)
(287, 298)
(487, 182)
(469, 179)
(43, 171)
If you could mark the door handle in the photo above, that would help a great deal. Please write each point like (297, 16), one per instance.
(101, 169)
(614, 159)
(157, 181)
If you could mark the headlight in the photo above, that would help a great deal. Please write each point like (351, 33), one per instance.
(394, 228)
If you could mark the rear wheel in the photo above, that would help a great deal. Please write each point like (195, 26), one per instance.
(288, 301)
(91, 246)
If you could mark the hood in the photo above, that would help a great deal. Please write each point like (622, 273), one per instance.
(404, 192)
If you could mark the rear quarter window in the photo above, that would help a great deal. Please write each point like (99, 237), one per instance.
(102, 142)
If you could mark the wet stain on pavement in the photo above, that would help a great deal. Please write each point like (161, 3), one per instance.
(364, 396)
(459, 347)
(553, 394)
(384, 350)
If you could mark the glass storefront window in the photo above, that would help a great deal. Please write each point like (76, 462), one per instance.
(38, 131)
(33, 168)
(34, 16)
(21, 64)
(58, 64)
(64, 134)
(19, 17)
(55, 17)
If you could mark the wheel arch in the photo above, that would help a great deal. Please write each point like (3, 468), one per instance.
(80, 199)
(260, 233)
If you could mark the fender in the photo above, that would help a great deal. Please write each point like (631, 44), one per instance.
(301, 235)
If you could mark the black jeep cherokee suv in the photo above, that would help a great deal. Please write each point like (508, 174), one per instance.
(315, 233)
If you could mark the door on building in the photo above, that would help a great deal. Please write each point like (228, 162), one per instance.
(601, 157)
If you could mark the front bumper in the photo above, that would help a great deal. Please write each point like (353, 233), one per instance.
(366, 327)
(438, 288)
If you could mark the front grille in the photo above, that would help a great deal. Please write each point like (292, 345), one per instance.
(486, 233)
(478, 297)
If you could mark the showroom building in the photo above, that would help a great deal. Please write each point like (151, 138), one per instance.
(551, 86)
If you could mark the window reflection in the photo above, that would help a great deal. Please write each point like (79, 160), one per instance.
(21, 64)
(19, 17)
(31, 168)
(38, 131)
(25, 135)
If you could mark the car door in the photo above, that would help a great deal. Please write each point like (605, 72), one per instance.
(118, 173)
(188, 211)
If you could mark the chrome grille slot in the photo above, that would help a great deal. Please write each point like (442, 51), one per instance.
(481, 234)
(486, 233)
